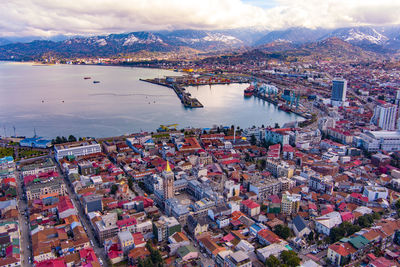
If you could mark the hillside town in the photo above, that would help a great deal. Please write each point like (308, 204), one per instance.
(323, 195)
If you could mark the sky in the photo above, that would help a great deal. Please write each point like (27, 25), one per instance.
(90, 17)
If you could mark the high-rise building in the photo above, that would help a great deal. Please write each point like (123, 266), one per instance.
(339, 89)
(385, 116)
(168, 187)
(290, 203)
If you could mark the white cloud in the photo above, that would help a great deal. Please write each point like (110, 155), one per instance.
(52, 17)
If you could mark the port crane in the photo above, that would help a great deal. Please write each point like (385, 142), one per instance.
(165, 128)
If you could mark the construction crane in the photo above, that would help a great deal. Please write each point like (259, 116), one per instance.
(169, 127)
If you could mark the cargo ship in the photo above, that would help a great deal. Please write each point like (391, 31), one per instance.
(284, 108)
(249, 91)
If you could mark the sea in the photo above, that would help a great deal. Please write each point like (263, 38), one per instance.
(56, 100)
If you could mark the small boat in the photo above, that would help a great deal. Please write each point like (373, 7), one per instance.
(96, 81)
(87, 78)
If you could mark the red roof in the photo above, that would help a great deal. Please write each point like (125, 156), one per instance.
(250, 204)
(138, 239)
(312, 206)
(347, 216)
(339, 249)
(52, 263)
(288, 148)
(64, 204)
(126, 222)
(147, 202)
(88, 255)
(274, 199)
(275, 147)
(232, 161)
(229, 237)
(114, 254)
(359, 196)
(269, 236)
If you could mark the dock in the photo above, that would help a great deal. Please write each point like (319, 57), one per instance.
(186, 99)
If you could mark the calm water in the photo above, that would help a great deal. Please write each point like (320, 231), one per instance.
(32, 97)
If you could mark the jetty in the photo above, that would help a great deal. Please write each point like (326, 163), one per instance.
(186, 99)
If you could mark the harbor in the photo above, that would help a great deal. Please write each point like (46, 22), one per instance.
(287, 100)
(186, 99)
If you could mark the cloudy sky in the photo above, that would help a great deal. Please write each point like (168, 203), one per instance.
(87, 17)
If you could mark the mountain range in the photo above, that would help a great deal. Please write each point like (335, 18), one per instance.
(383, 40)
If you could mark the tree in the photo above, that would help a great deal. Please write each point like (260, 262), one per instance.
(253, 140)
(277, 125)
(282, 231)
(310, 236)
(58, 140)
(114, 189)
(272, 261)
(130, 183)
(71, 138)
(263, 164)
(290, 258)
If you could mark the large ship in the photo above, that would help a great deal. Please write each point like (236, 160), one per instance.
(249, 91)
(284, 107)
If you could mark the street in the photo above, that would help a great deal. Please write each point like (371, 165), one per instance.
(25, 242)
(85, 221)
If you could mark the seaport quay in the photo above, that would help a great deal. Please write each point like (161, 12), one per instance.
(186, 99)
(177, 83)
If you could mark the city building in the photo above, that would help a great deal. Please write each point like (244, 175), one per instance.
(51, 187)
(250, 207)
(126, 240)
(325, 223)
(238, 259)
(75, 149)
(290, 203)
(385, 116)
(372, 141)
(375, 192)
(265, 188)
(165, 227)
(48, 165)
(93, 203)
(168, 183)
(339, 90)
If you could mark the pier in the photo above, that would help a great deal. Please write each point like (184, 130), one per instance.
(186, 99)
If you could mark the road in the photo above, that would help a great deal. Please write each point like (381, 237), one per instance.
(85, 220)
(25, 240)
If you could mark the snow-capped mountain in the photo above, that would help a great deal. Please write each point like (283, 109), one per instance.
(113, 44)
(360, 35)
(295, 35)
(377, 39)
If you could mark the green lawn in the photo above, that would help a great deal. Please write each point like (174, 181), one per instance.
(6, 151)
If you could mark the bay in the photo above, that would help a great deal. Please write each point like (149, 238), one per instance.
(57, 100)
